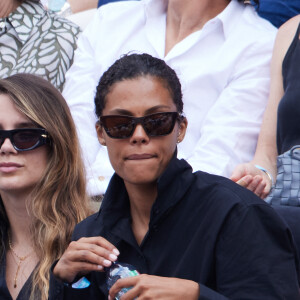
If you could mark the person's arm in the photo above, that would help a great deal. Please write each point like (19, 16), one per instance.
(84, 256)
(156, 287)
(247, 174)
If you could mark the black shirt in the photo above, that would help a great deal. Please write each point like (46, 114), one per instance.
(288, 125)
(4, 292)
(204, 228)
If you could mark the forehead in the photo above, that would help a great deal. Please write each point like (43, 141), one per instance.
(139, 93)
(10, 116)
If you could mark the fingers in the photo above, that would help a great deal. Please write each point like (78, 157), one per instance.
(238, 173)
(245, 181)
(257, 184)
(96, 250)
(83, 256)
(125, 283)
(100, 241)
(92, 253)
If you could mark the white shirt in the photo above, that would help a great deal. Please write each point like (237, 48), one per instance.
(223, 69)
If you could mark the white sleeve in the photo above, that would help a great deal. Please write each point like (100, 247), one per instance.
(79, 91)
(230, 130)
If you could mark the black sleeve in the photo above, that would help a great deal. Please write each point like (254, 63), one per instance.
(60, 291)
(255, 256)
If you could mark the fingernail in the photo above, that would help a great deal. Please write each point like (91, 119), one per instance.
(113, 257)
(109, 297)
(100, 267)
(107, 263)
(116, 251)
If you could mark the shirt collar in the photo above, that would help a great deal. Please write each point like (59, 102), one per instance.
(172, 185)
(25, 18)
(155, 7)
(226, 18)
(229, 16)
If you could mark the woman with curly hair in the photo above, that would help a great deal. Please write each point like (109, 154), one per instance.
(221, 51)
(192, 236)
(42, 184)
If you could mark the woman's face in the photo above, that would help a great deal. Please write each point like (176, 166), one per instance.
(140, 159)
(19, 171)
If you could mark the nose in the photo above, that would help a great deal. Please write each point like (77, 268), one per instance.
(7, 147)
(139, 135)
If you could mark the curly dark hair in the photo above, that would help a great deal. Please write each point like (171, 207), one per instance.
(131, 66)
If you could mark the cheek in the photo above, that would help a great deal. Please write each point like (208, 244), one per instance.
(37, 163)
(114, 154)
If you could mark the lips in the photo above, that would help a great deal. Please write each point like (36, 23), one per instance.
(140, 156)
(7, 167)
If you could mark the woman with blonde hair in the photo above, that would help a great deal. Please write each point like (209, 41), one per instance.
(42, 184)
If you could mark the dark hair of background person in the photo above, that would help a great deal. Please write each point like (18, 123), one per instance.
(58, 201)
(132, 66)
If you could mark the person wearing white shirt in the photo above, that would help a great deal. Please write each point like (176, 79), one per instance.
(221, 51)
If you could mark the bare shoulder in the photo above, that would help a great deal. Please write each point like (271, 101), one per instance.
(288, 30)
(285, 36)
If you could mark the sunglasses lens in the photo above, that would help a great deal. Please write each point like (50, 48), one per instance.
(117, 126)
(26, 139)
(159, 124)
(121, 127)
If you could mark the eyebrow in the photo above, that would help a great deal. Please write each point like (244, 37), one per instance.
(150, 110)
(22, 125)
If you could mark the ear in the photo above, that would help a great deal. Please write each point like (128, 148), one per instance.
(182, 129)
(100, 133)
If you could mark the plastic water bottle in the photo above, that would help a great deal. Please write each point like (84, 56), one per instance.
(119, 270)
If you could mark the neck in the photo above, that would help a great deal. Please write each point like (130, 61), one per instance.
(186, 17)
(141, 199)
(7, 7)
(19, 219)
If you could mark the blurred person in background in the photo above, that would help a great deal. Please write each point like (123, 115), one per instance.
(34, 40)
(280, 129)
(278, 11)
(221, 51)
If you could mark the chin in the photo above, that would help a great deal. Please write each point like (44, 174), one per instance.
(140, 179)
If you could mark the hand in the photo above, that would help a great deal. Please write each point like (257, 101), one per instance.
(154, 287)
(84, 256)
(250, 177)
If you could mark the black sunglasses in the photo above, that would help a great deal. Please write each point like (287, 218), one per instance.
(122, 127)
(25, 139)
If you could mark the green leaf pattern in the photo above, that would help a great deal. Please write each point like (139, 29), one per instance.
(38, 42)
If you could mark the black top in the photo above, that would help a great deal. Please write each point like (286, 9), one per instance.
(202, 227)
(288, 124)
(4, 292)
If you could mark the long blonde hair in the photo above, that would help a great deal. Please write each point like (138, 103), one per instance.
(59, 200)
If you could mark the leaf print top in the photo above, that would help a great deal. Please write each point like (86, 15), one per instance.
(33, 40)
